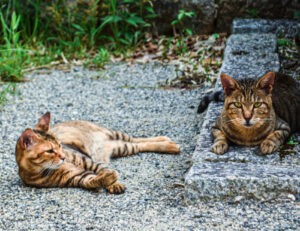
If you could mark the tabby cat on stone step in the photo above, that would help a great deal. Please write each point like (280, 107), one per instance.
(43, 162)
(257, 112)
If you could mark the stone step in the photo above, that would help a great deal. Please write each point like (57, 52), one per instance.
(288, 28)
(225, 180)
(242, 171)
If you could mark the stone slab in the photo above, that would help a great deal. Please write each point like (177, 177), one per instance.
(249, 55)
(251, 174)
(229, 180)
(288, 28)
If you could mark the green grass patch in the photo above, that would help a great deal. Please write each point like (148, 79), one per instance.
(40, 33)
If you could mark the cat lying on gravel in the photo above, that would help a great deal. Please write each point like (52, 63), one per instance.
(43, 162)
(256, 112)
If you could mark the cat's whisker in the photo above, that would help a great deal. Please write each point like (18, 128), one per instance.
(231, 121)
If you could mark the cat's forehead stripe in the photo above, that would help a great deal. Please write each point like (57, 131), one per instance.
(45, 135)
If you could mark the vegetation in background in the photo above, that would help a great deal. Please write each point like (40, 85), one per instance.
(41, 34)
(289, 55)
(45, 33)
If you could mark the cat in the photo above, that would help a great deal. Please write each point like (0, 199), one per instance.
(44, 162)
(256, 112)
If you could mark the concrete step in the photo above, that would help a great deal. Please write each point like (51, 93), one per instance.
(242, 171)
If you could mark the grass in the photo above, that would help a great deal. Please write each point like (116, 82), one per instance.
(37, 33)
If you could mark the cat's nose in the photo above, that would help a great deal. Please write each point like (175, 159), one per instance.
(248, 123)
(62, 157)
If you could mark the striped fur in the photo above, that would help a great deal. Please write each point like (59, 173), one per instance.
(76, 153)
(258, 112)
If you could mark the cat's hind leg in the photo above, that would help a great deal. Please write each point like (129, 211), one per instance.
(119, 135)
(122, 149)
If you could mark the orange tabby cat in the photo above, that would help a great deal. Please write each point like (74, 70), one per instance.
(43, 162)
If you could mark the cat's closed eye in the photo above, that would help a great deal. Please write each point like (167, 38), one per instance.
(50, 151)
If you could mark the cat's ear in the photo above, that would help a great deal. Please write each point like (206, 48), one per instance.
(229, 84)
(27, 139)
(44, 123)
(266, 82)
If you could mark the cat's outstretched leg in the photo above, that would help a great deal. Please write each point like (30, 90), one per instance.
(119, 135)
(121, 148)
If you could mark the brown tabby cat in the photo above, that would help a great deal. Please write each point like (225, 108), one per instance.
(264, 111)
(43, 162)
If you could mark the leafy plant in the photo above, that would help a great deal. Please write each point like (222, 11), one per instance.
(99, 60)
(12, 54)
(125, 23)
(291, 141)
(180, 21)
(283, 42)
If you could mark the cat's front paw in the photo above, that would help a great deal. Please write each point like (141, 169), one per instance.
(116, 188)
(268, 147)
(220, 147)
(107, 177)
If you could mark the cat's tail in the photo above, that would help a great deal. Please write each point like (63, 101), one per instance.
(217, 96)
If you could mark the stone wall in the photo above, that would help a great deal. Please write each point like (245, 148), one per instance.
(217, 15)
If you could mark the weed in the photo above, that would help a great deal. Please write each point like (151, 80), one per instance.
(9, 89)
(12, 54)
(99, 60)
(125, 23)
(284, 42)
(291, 141)
(182, 15)
(253, 13)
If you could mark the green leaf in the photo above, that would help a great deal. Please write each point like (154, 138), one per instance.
(128, 1)
(131, 22)
(180, 16)
(78, 27)
(149, 9)
(151, 16)
(189, 31)
(124, 41)
(174, 22)
(190, 14)
(137, 19)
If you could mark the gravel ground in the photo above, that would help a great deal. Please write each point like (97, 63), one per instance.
(126, 98)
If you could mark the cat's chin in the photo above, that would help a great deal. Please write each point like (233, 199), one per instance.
(248, 125)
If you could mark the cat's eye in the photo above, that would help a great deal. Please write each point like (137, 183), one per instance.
(50, 151)
(237, 104)
(258, 104)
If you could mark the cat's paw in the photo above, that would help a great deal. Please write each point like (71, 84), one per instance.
(161, 139)
(116, 188)
(172, 147)
(107, 177)
(268, 147)
(220, 147)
